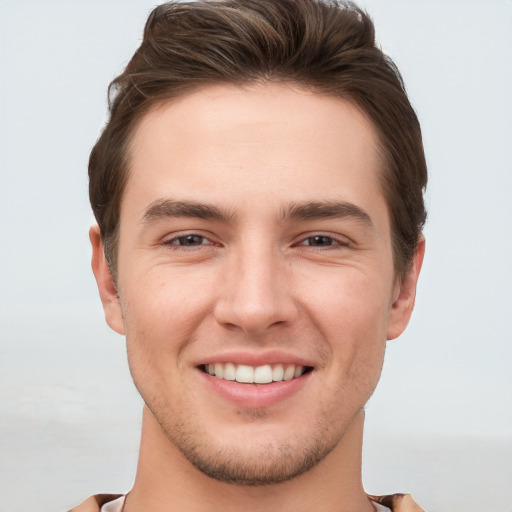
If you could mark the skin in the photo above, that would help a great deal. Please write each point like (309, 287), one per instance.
(260, 279)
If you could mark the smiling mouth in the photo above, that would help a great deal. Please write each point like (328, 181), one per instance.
(265, 374)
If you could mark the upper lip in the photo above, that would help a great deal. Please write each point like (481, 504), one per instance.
(255, 358)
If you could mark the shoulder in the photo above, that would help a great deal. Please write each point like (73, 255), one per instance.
(398, 502)
(94, 503)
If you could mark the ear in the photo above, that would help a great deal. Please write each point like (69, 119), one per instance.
(105, 282)
(405, 295)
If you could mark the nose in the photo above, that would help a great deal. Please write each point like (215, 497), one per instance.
(256, 293)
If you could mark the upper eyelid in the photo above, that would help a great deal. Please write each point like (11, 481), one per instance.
(182, 234)
(169, 241)
(341, 239)
(187, 236)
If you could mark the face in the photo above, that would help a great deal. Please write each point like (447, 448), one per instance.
(255, 276)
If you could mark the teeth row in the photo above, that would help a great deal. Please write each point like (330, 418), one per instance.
(254, 374)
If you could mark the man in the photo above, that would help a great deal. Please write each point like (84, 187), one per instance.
(258, 192)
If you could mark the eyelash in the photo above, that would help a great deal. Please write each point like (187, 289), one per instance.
(333, 242)
(178, 246)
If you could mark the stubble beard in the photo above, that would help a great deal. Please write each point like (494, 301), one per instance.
(267, 465)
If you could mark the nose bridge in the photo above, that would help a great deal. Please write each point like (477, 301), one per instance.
(256, 294)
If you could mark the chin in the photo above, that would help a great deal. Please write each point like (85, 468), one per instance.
(271, 465)
(263, 458)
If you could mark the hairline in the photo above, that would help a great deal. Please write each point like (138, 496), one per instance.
(111, 243)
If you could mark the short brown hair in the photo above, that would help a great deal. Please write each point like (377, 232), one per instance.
(325, 46)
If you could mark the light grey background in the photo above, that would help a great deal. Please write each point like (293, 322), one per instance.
(440, 422)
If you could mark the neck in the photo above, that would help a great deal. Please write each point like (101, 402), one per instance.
(165, 477)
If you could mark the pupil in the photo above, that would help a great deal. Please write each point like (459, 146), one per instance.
(192, 240)
(321, 240)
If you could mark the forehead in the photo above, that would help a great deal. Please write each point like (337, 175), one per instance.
(254, 141)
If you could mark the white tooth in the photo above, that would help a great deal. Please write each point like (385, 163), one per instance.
(263, 374)
(229, 371)
(219, 370)
(210, 368)
(298, 371)
(289, 372)
(244, 374)
(278, 372)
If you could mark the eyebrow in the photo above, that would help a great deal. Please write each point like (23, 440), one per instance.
(168, 208)
(326, 210)
(311, 210)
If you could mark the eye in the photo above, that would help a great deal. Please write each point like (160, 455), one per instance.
(191, 240)
(321, 241)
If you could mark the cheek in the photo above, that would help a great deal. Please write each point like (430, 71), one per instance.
(163, 309)
(160, 319)
(353, 318)
(350, 302)
(165, 302)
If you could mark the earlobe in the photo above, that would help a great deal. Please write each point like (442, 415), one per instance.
(403, 305)
(105, 282)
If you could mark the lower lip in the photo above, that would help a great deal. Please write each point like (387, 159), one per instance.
(254, 396)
